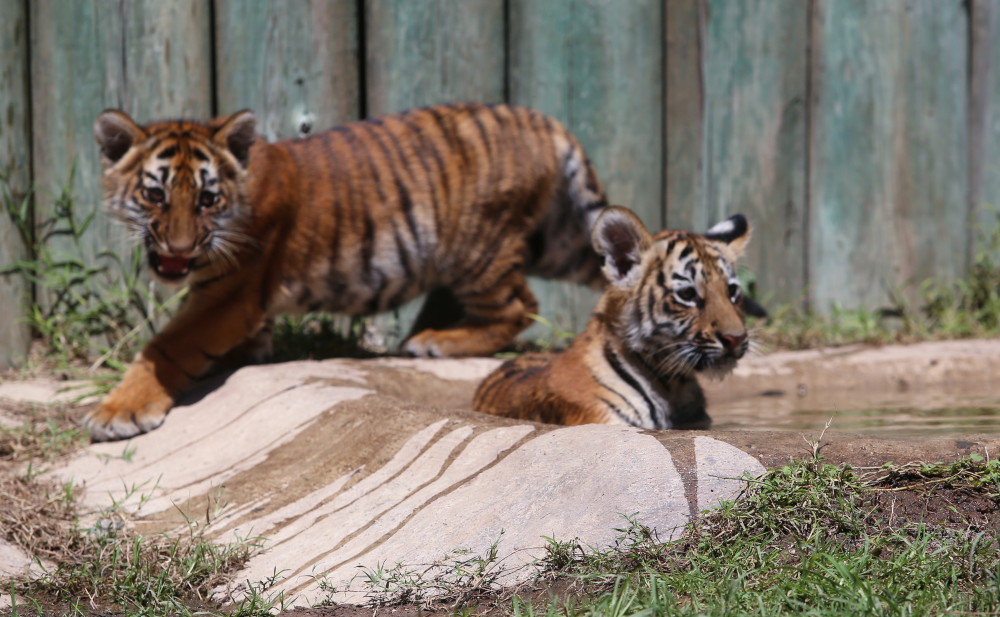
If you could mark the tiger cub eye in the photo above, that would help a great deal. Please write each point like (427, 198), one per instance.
(154, 194)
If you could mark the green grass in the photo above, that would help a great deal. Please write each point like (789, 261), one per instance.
(809, 538)
(967, 308)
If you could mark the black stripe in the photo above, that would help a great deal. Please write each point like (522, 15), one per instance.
(484, 136)
(167, 357)
(332, 157)
(617, 411)
(368, 244)
(612, 359)
(168, 153)
(427, 146)
(405, 201)
(450, 135)
(207, 282)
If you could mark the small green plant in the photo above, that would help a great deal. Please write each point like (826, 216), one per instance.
(809, 537)
(969, 307)
(454, 580)
(96, 310)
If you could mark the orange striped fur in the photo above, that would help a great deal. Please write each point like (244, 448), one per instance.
(460, 200)
(672, 309)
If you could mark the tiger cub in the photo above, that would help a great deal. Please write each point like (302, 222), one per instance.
(672, 309)
(462, 201)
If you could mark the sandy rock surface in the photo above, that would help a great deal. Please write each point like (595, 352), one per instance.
(338, 464)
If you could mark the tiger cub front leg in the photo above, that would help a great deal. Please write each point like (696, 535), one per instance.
(187, 347)
(493, 315)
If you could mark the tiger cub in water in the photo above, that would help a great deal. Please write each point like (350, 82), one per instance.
(462, 201)
(672, 309)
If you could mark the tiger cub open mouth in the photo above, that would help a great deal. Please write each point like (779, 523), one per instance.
(170, 267)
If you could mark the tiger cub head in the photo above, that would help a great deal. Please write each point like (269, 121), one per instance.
(673, 297)
(178, 187)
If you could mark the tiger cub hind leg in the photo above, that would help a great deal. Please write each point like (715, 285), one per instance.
(492, 314)
(672, 308)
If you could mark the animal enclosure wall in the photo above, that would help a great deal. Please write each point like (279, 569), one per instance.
(853, 133)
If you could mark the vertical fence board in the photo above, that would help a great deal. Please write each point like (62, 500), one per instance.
(421, 53)
(755, 134)
(683, 103)
(888, 158)
(597, 67)
(984, 121)
(77, 70)
(15, 175)
(148, 57)
(168, 59)
(295, 64)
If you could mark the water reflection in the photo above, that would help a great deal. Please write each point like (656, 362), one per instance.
(930, 414)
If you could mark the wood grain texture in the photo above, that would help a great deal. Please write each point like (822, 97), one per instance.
(597, 67)
(15, 175)
(888, 155)
(984, 120)
(295, 64)
(683, 113)
(422, 53)
(150, 58)
(755, 135)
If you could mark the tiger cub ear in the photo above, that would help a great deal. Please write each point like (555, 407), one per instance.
(620, 238)
(734, 231)
(237, 134)
(116, 133)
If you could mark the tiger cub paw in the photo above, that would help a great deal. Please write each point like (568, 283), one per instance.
(455, 342)
(115, 418)
(421, 346)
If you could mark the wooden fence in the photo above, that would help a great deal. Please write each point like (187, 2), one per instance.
(855, 134)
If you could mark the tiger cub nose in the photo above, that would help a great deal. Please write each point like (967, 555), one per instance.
(732, 342)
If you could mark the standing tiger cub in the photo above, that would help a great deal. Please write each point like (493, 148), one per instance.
(672, 308)
(459, 200)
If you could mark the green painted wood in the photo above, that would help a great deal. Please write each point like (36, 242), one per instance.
(148, 57)
(888, 158)
(295, 64)
(984, 121)
(15, 175)
(597, 67)
(421, 53)
(683, 112)
(754, 140)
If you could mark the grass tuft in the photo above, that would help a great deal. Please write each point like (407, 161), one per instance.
(807, 538)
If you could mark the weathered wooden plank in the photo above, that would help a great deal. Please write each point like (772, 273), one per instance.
(888, 176)
(984, 120)
(147, 57)
(15, 175)
(421, 53)
(597, 67)
(168, 60)
(755, 135)
(683, 112)
(295, 64)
